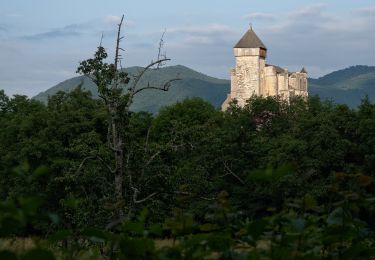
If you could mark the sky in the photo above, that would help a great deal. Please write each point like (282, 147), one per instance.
(43, 41)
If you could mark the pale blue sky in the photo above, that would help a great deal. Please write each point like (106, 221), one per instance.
(42, 41)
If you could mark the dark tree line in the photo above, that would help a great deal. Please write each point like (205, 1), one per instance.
(301, 172)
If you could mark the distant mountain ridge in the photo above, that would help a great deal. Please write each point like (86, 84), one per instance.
(192, 84)
(354, 77)
(346, 86)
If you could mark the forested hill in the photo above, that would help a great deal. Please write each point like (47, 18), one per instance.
(192, 84)
(346, 86)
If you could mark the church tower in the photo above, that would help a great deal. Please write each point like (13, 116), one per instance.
(250, 53)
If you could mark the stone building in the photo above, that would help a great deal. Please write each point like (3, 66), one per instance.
(253, 76)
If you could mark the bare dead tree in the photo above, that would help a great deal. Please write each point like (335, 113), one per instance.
(161, 55)
(110, 81)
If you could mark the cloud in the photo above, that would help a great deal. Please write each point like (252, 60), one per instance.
(321, 40)
(114, 20)
(307, 11)
(370, 10)
(260, 17)
(14, 15)
(210, 29)
(106, 25)
(3, 31)
(199, 37)
(67, 31)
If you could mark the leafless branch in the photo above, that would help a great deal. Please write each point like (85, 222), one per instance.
(147, 138)
(165, 87)
(101, 40)
(135, 195)
(160, 55)
(140, 75)
(92, 157)
(152, 157)
(105, 164)
(230, 172)
(83, 163)
(118, 42)
(192, 194)
(114, 223)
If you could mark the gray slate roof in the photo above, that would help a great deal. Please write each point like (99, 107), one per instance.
(250, 40)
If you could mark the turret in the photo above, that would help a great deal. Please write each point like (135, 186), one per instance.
(250, 45)
(250, 53)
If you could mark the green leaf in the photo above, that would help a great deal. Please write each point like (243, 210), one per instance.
(257, 228)
(9, 225)
(137, 248)
(7, 255)
(38, 254)
(135, 227)
(208, 227)
(309, 201)
(95, 235)
(371, 199)
(270, 174)
(54, 218)
(143, 215)
(336, 217)
(40, 171)
(156, 229)
(298, 224)
(60, 235)
(71, 202)
(30, 205)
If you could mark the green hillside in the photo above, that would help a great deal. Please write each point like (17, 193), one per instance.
(192, 84)
(346, 86)
(355, 77)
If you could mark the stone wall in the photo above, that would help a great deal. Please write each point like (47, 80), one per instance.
(247, 78)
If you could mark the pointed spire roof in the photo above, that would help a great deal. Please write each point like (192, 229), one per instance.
(250, 40)
(303, 70)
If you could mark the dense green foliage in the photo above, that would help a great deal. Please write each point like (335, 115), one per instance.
(268, 181)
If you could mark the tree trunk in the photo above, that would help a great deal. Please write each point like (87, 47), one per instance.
(117, 145)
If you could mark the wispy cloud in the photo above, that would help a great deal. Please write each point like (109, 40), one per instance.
(199, 36)
(260, 17)
(13, 15)
(115, 19)
(210, 29)
(307, 11)
(3, 31)
(319, 39)
(106, 25)
(370, 10)
(67, 31)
